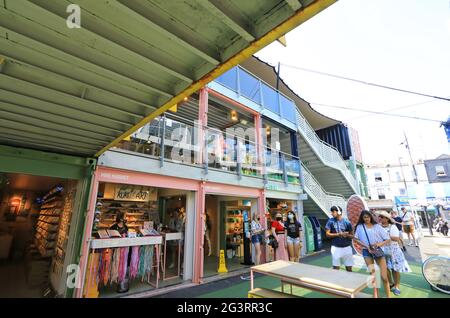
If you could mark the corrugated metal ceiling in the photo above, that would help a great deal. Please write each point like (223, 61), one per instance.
(78, 91)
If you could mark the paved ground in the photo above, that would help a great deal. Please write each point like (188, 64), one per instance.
(413, 285)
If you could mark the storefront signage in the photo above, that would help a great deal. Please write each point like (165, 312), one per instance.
(135, 193)
(117, 177)
(272, 187)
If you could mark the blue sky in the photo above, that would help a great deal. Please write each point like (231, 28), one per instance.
(399, 43)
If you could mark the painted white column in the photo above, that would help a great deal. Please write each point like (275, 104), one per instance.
(189, 237)
(300, 212)
(254, 209)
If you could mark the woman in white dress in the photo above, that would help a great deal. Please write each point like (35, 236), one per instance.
(395, 259)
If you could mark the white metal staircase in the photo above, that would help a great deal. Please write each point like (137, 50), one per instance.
(324, 161)
(319, 201)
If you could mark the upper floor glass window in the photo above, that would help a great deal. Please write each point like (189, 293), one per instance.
(440, 171)
(378, 177)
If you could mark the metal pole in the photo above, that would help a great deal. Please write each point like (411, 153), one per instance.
(283, 163)
(163, 137)
(416, 179)
(428, 220)
(406, 189)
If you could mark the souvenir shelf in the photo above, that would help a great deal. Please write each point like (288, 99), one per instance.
(136, 213)
(63, 231)
(48, 222)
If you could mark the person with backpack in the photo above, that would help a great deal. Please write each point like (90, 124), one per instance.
(398, 223)
(372, 237)
(395, 260)
(444, 229)
(340, 230)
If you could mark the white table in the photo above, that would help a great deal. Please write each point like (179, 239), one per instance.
(325, 280)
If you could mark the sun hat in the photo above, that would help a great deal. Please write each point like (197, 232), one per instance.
(386, 215)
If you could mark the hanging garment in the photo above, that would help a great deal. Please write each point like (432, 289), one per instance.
(134, 264)
(115, 266)
(105, 267)
(141, 270)
(123, 267)
(148, 259)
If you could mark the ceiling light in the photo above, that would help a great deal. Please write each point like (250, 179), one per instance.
(234, 116)
(185, 99)
(244, 122)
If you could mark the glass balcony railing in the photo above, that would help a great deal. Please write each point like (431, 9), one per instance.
(222, 151)
(248, 85)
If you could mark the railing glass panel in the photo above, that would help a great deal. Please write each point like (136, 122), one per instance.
(249, 86)
(229, 79)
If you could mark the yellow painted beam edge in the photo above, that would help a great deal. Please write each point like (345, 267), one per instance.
(298, 18)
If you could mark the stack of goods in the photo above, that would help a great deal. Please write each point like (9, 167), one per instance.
(48, 222)
(136, 213)
(63, 232)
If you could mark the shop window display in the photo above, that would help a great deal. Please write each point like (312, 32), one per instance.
(34, 235)
(150, 234)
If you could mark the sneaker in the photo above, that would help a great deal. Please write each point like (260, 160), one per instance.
(396, 291)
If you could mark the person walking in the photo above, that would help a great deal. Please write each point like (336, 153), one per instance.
(293, 236)
(395, 260)
(340, 230)
(278, 231)
(408, 226)
(398, 224)
(371, 236)
(444, 229)
(257, 236)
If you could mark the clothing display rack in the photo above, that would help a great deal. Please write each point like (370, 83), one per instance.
(171, 237)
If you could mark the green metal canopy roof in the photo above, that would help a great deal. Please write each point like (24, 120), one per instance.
(81, 90)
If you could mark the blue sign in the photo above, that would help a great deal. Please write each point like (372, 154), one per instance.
(401, 201)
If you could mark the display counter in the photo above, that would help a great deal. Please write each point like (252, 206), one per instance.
(127, 241)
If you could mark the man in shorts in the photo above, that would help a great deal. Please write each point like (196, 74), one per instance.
(408, 226)
(340, 230)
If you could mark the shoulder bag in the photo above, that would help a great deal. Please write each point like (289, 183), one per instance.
(376, 252)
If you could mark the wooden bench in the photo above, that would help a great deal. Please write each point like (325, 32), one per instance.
(268, 293)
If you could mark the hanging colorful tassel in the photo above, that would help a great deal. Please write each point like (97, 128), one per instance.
(142, 262)
(115, 266)
(123, 263)
(134, 264)
(105, 266)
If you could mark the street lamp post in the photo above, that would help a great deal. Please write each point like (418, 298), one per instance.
(407, 194)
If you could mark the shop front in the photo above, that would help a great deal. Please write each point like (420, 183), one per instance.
(43, 199)
(282, 202)
(229, 211)
(139, 234)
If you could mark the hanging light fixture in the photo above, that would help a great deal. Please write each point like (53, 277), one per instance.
(234, 116)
